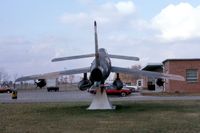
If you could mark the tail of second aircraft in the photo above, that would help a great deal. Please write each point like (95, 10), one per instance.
(96, 54)
(96, 45)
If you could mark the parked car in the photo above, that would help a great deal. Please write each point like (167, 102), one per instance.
(110, 90)
(5, 90)
(52, 89)
(52, 85)
(133, 88)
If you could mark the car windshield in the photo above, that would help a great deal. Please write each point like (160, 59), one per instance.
(110, 87)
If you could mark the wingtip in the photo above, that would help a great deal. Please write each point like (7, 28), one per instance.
(183, 79)
(95, 23)
(53, 60)
(180, 78)
(174, 77)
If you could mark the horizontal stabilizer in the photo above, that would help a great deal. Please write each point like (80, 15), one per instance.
(147, 73)
(54, 74)
(72, 57)
(124, 57)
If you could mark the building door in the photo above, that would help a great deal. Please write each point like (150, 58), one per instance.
(151, 84)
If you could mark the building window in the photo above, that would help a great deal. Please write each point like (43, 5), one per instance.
(139, 83)
(192, 75)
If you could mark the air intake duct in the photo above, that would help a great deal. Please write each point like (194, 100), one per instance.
(96, 75)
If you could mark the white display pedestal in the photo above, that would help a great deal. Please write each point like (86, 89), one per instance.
(100, 101)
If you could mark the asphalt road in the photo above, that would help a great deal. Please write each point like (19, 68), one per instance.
(37, 96)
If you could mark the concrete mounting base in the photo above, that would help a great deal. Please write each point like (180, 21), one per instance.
(100, 101)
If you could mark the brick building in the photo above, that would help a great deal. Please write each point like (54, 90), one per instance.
(189, 69)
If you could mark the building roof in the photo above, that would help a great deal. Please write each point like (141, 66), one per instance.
(153, 66)
(186, 59)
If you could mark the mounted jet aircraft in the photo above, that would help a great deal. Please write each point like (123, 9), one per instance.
(99, 70)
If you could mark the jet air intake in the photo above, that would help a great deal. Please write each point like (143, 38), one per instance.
(96, 75)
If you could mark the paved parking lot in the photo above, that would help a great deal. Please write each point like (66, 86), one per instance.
(36, 96)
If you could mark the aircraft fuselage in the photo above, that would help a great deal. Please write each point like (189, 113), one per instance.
(100, 67)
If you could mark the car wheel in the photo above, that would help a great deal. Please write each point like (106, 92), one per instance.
(123, 94)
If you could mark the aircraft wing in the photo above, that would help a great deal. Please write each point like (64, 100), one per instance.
(147, 73)
(53, 74)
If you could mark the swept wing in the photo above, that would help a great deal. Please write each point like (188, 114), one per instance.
(53, 74)
(146, 73)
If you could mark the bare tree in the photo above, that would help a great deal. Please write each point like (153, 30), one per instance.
(127, 78)
(137, 67)
(63, 79)
(15, 76)
(4, 77)
(71, 78)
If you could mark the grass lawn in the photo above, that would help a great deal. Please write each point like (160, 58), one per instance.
(129, 117)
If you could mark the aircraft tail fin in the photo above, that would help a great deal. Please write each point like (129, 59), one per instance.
(96, 45)
(147, 73)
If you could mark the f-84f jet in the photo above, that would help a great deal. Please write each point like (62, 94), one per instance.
(99, 70)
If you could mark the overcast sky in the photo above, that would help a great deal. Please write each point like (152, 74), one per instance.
(32, 32)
